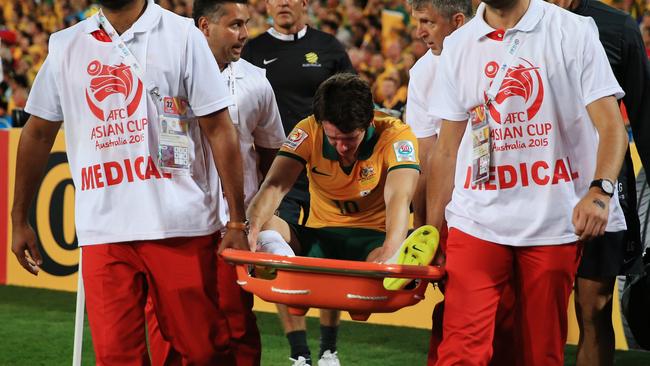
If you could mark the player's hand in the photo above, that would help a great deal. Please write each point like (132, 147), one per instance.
(439, 259)
(382, 254)
(24, 246)
(590, 215)
(375, 255)
(253, 233)
(235, 239)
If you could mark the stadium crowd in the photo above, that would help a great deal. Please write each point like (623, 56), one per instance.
(378, 34)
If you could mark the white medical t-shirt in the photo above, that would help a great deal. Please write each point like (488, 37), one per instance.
(256, 117)
(111, 126)
(420, 92)
(543, 143)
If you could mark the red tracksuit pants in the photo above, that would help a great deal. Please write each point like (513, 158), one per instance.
(178, 275)
(237, 307)
(478, 272)
(503, 333)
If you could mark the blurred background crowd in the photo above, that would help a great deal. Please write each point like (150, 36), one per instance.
(378, 34)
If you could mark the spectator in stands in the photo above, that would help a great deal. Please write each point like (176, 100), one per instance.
(17, 100)
(5, 119)
(392, 104)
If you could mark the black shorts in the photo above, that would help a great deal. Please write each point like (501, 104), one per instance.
(606, 256)
(618, 253)
(337, 242)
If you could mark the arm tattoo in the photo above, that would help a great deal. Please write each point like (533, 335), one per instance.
(599, 203)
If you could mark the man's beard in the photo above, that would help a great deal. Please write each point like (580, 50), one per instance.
(114, 4)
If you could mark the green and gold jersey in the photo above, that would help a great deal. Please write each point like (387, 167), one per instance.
(352, 197)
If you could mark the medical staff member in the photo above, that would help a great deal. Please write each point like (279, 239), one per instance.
(146, 202)
(530, 145)
(256, 117)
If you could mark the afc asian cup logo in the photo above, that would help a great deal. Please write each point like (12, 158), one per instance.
(296, 135)
(405, 149)
(295, 138)
(524, 81)
(108, 82)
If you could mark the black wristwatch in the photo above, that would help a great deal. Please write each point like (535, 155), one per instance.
(605, 185)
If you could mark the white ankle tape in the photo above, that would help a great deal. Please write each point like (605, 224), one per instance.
(270, 241)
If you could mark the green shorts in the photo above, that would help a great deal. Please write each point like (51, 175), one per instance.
(337, 242)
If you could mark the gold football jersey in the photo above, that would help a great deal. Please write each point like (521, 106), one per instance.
(351, 197)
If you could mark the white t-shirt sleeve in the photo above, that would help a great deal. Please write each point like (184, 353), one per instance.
(422, 123)
(597, 79)
(444, 101)
(44, 100)
(206, 89)
(269, 132)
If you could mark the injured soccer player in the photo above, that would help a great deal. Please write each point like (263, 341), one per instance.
(362, 168)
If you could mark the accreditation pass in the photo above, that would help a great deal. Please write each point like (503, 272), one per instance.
(480, 144)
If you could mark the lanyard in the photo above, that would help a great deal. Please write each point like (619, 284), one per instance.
(128, 57)
(510, 58)
(231, 79)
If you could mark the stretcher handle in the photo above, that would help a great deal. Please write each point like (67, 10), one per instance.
(333, 266)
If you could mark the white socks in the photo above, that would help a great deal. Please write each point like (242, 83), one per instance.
(270, 241)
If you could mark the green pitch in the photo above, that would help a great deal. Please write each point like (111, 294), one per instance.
(36, 328)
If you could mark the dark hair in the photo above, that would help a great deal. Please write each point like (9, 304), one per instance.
(211, 8)
(345, 101)
(446, 8)
(374, 21)
(21, 80)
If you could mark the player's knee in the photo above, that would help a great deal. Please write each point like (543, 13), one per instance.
(595, 308)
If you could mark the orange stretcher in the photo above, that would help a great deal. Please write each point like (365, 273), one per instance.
(352, 286)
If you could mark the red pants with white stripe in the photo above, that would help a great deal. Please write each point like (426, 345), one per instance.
(237, 307)
(178, 275)
(478, 272)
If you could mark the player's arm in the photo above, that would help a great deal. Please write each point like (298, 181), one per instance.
(591, 213)
(425, 146)
(398, 193)
(442, 161)
(34, 148)
(224, 143)
(279, 180)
